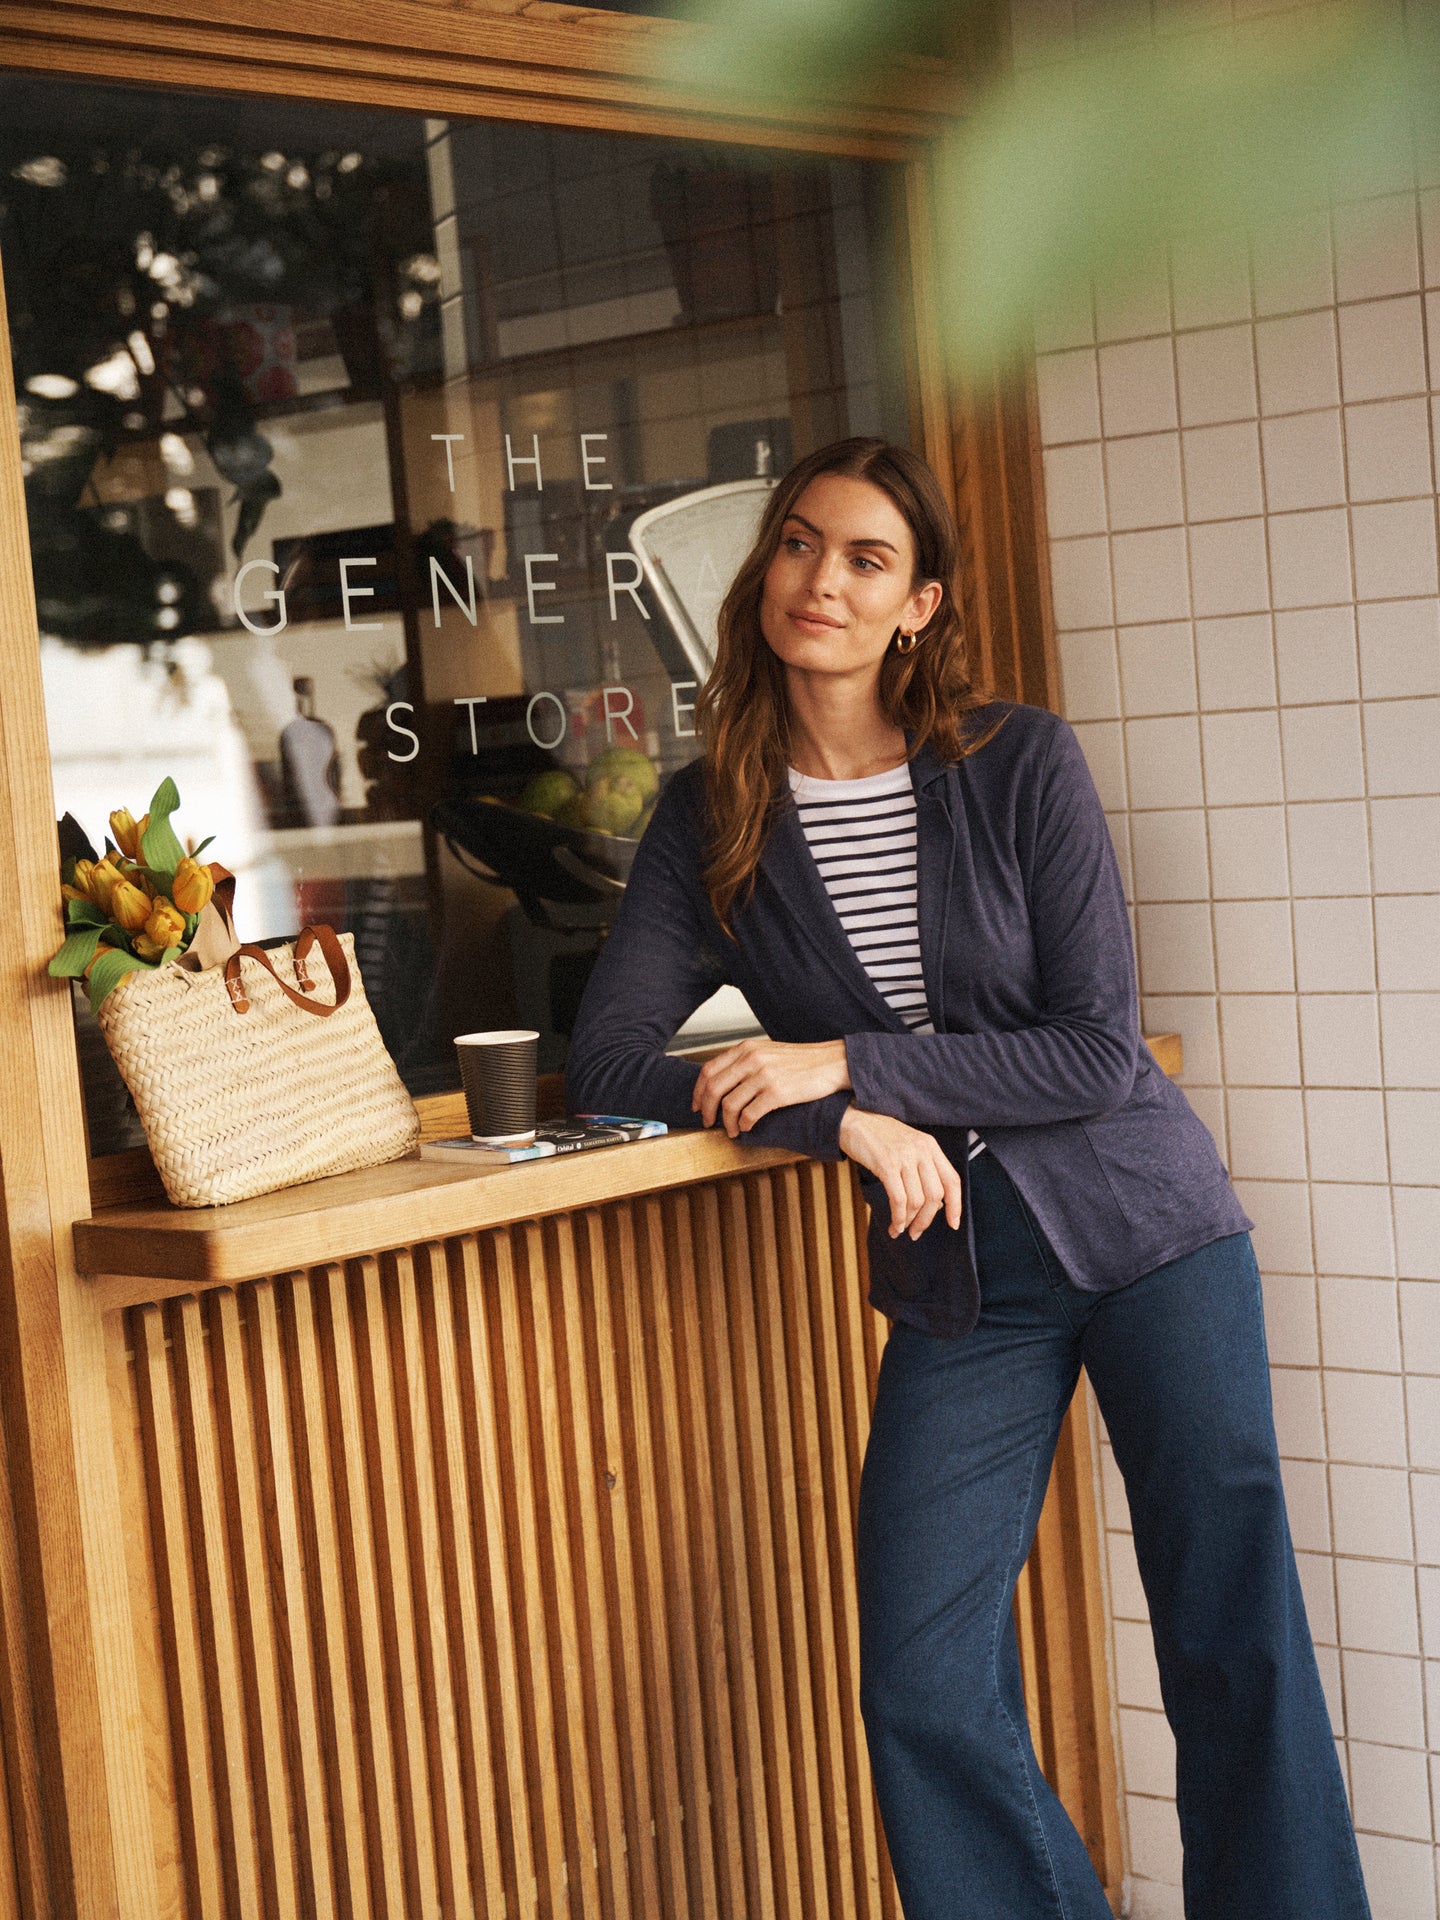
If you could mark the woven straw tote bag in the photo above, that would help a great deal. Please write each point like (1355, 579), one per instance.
(247, 1080)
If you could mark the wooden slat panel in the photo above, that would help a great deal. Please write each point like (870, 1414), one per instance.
(515, 1576)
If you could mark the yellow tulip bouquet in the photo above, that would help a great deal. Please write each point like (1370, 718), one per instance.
(139, 905)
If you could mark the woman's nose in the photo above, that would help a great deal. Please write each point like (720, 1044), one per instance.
(829, 573)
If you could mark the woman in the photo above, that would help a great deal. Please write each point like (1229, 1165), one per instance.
(915, 890)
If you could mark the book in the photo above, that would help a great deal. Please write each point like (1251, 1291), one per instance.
(575, 1135)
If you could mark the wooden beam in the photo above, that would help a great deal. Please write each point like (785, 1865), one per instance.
(570, 66)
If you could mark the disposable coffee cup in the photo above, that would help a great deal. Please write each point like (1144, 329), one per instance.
(497, 1070)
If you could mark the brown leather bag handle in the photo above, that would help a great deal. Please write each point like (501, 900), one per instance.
(322, 936)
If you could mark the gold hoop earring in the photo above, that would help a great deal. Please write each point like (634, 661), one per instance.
(906, 642)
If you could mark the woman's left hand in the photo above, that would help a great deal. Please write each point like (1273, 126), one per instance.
(754, 1077)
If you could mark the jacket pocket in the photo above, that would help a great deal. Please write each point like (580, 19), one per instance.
(930, 1269)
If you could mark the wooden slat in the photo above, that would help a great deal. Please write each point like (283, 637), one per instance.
(361, 1578)
(799, 1275)
(582, 1427)
(708, 1294)
(857, 1856)
(427, 1548)
(324, 1605)
(860, 1336)
(526, 1571)
(246, 1511)
(697, 1480)
(480, 1405)
(652, 1291)
(386, 1497)
(294, 1650)
(174, 1546)
(763, 1571)
(628, 1651)
(550, 1440)
(236, 1769)
(456, 1571)
(653, 1626)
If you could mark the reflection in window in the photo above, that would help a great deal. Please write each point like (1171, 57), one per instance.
(384, 478)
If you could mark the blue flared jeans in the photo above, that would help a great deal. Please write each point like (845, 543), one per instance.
(955, 1474)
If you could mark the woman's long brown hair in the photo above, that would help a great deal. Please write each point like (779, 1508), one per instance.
(743, 712)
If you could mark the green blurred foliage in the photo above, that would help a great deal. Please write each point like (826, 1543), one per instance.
(1081, 170)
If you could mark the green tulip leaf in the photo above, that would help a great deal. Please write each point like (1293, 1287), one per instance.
(77, 953)
(162, 850)
(84, 913)
(202, 846)
(107, 973)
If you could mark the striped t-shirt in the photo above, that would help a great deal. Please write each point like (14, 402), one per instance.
(862, 835)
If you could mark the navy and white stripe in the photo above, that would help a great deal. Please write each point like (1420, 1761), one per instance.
(862, 836)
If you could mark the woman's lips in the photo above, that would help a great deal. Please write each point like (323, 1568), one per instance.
(814, 622)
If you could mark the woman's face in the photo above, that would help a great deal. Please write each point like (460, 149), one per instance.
(841, 582)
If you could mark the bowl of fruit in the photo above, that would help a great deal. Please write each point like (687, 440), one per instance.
(566, 843)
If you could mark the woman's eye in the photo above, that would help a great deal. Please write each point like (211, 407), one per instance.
(794, 543)
(868, 565)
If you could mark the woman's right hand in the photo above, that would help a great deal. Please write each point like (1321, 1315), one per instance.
(911, 1166)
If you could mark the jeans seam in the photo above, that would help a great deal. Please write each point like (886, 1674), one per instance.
(1013, 1568)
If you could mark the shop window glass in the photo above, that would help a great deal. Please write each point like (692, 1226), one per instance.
(384, 477)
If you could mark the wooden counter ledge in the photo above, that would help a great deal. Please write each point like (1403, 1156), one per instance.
(150, 1251)
(401, 1204)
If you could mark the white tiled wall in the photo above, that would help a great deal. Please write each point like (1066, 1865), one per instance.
(1241, 487)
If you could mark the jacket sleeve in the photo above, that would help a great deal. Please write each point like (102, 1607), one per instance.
(664, 956)
(1081, 1059)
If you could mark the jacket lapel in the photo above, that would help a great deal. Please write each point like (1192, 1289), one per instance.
(935, 862)
(787, 863)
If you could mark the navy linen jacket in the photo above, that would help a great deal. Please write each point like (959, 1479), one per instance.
(1030, 974)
